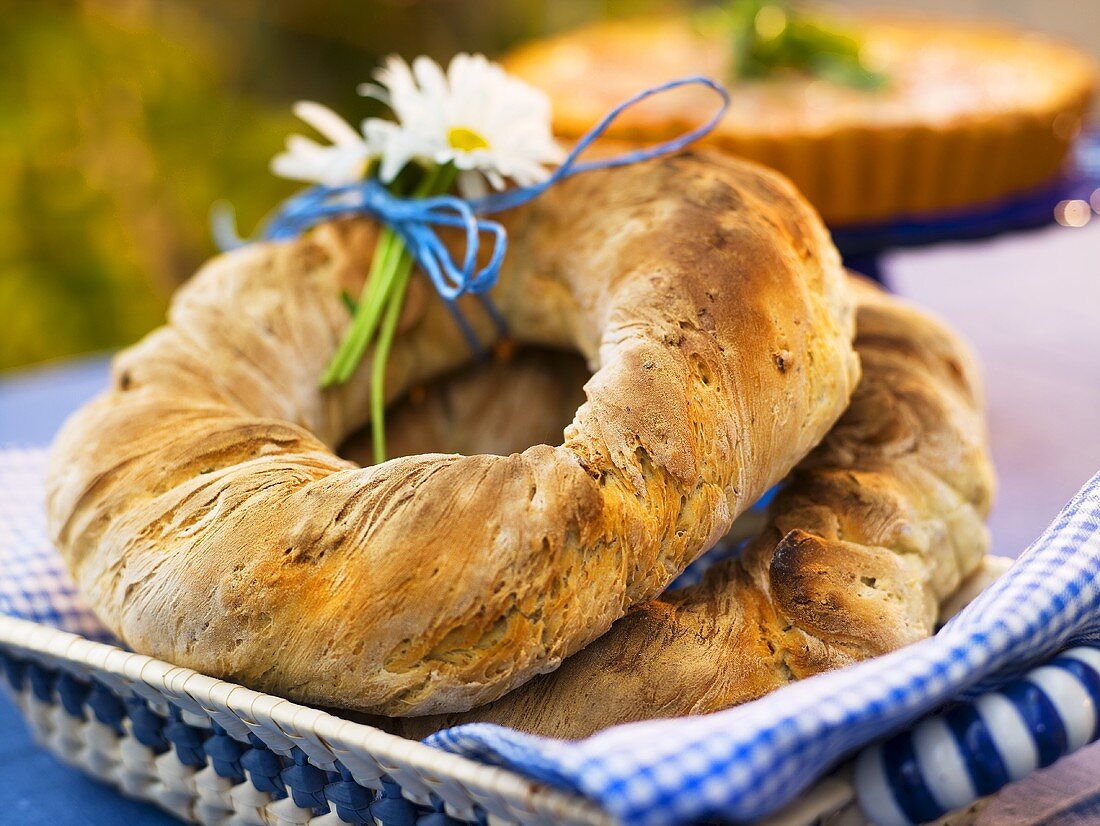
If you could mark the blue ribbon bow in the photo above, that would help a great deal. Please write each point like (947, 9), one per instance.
(416, 220)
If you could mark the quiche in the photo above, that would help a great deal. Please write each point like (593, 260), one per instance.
(966, 114)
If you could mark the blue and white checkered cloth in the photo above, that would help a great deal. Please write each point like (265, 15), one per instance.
(746, 762)
(34, 584)
(738, 764)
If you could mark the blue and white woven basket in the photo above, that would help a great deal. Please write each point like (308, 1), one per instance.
(213, 752)
(217, 753)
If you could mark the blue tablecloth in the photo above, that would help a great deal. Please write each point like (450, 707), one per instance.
(35, 788)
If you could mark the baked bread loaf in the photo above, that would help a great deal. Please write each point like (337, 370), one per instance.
(206, 518)
(874, 530)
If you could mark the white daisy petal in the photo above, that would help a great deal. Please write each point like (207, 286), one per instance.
(374, 91)
(344, 166)
(396, 155)
(343, 161)
(471, 185)
(301, 146)
(293, 168)
(429, 76)
(496, 180)
(377, 132)
(397, 78)
(327, 122)
(473, 115)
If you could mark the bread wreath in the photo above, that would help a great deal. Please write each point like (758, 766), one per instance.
(876, 528)
(203, 512)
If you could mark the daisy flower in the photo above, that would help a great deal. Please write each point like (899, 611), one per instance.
(472, 125)
(343, 161)
(493, 127)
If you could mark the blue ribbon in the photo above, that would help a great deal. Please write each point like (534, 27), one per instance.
(416, 220)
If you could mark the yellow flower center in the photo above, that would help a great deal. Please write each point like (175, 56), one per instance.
(465, 140)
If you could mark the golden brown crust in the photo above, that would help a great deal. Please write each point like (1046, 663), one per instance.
(973, 113)
(878, 526)
(206, 518)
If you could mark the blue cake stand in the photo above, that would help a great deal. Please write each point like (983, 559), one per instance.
(863, 246)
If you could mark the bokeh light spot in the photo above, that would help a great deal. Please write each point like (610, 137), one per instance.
(1075, 213)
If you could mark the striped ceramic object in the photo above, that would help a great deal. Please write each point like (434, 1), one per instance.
(977, 748)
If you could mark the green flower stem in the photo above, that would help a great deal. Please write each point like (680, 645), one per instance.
(379, 311)
(365, 319)
(378, 366)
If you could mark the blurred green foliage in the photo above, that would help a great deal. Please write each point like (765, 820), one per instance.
(122, 121)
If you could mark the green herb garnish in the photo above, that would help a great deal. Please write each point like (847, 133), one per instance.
(772, 35)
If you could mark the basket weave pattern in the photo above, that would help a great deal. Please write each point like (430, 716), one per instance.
(217, 753)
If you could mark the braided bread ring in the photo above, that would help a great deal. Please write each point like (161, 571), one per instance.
(876, 528)
(203, 513)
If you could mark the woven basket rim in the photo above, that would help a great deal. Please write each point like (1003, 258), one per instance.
(78, 653)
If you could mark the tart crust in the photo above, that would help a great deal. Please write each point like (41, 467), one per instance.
(972, 113)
